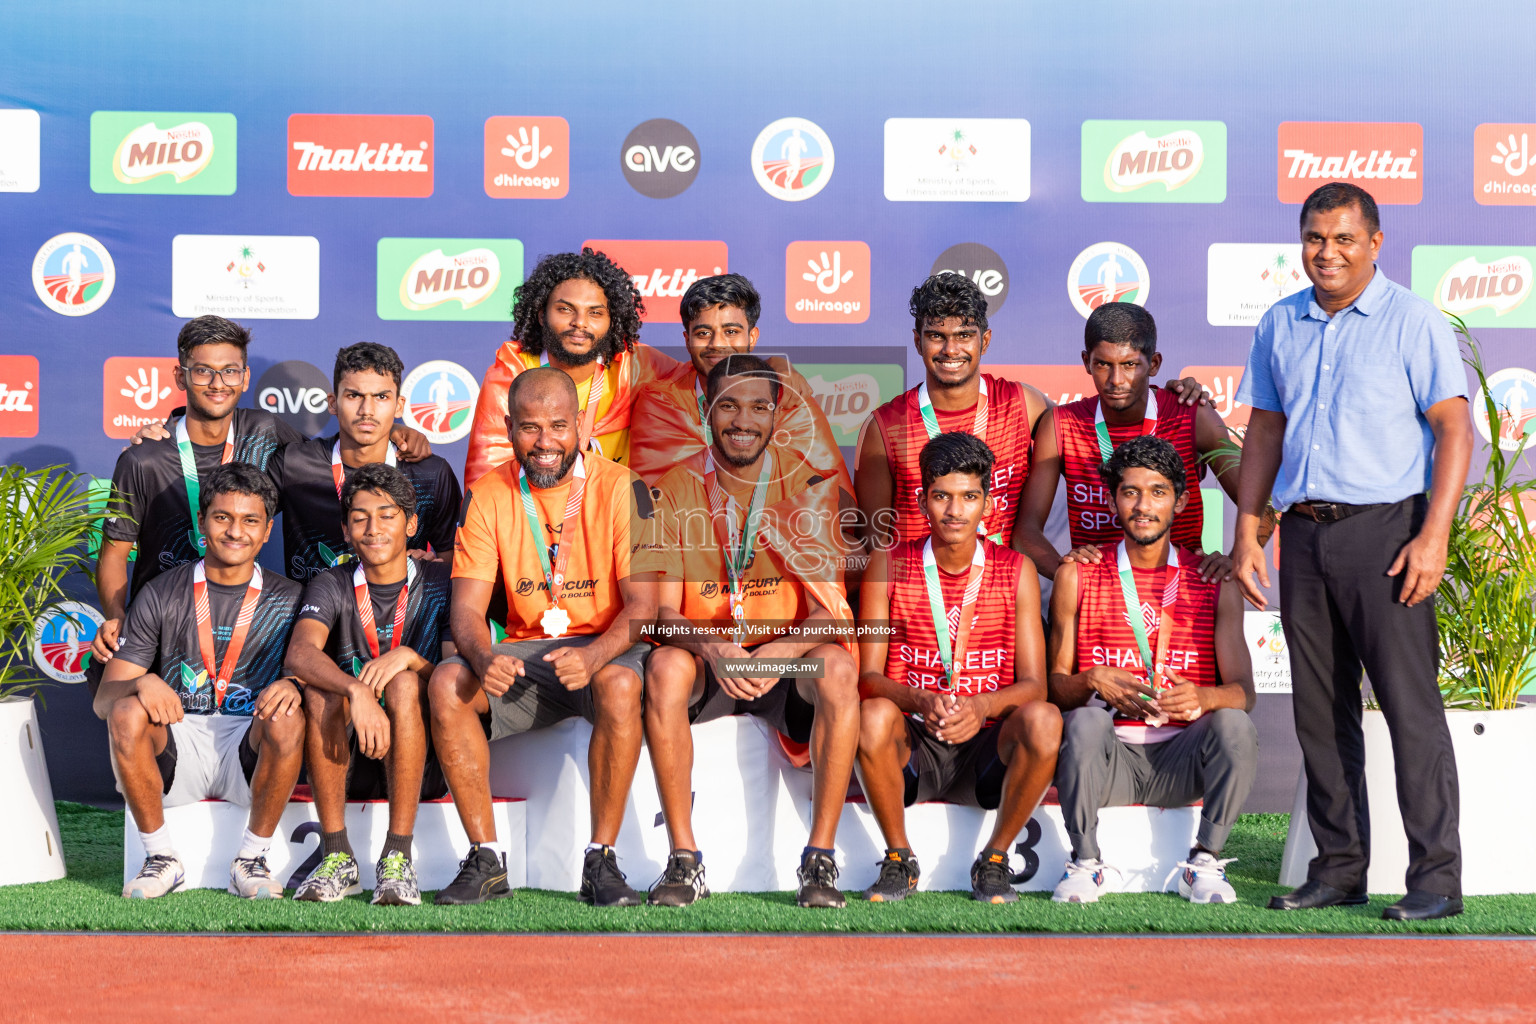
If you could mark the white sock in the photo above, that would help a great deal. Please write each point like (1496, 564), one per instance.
(253, 845)
(158, 841)
(595, 846)
(497, 847)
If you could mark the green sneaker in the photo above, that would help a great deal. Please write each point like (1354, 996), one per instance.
(334, 877)
(396, 885)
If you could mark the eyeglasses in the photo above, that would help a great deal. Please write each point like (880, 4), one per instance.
(203, 375)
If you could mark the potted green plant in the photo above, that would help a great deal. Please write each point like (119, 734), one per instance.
(1486, 613)
(46, 520)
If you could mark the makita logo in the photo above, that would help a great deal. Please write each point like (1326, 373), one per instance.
(1385, 159)
(662, 271)
(147, 151)
(1173, 159)
(435, 278)
(1499, 285)
(16, 399)
(18, 402)
(336, 155)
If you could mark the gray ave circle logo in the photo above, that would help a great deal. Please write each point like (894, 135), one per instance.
(660, 158)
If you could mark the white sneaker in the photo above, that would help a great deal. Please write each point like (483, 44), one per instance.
(1204, 879)
(249, 878)
(1084, 881)
(161, 873)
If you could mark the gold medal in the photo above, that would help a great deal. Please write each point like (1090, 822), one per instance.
(555, 621)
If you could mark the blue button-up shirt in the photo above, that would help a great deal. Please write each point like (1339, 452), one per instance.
(1353, 389)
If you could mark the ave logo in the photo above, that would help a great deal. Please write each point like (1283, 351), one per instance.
(983, 266)
(296, 392)
(826, 282)
(660, 158)
(135, 391)
(448, 278)
(1154, 161)
(527, 157)
(663, 270)
(18, 396)
(162, 153)
(379, 155)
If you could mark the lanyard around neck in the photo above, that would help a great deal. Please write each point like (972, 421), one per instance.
(1133, 613)
(952, 657)
(554, 575)
(931, 419)
(189, 474)
(220, 678)
(365, 607)
(1148, 425)
(739, 544)
(338, 471)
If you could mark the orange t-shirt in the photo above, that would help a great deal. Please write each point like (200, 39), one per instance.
(494, 543)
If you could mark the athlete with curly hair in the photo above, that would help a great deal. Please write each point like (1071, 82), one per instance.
(577, 312)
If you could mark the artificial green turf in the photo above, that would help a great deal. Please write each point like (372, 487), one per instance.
(88, 900)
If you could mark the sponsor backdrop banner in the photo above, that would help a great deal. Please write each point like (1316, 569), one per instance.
(339, 172)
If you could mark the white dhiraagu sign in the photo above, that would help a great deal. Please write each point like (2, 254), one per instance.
(1266, 646)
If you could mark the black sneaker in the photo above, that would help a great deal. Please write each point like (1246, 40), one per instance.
(681, 883)
(992, 878)
(818, 881)
(603, 884)
(482, 876)
(898, 878)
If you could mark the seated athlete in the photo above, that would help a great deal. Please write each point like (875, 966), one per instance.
(954, 698)
(562, 529)
(367, 639)
(193, 699)
(749, 571)
(1180, 735)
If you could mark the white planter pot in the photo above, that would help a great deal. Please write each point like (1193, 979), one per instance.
(27, 818)
(1495, 761)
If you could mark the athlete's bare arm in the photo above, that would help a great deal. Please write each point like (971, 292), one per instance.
(112, 590)
(875, 613)
(1029, 674)
(497, 673)
(875, 489)
(1070, 688)
(1211, 435)
(1038, 496)
(1186, 701)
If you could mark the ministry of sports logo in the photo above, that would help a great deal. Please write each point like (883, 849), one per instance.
(20, 150)
(448, 278)
(73, 274)
(1243, 279)
(440, 400)
(1514, 402)
(1154, 161)
(982, 265)
(962, 159)
(663, 270)
(1503, 173)
(527, 157)
(792, 159)
(273, 277)
(1386, 159)
(61, 638)
(659, 158)
(18, 396)
(377, 155)
(160, 152)
(1107, 272)
(1486, 287)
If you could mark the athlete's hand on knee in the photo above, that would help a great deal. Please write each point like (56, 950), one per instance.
(371, 726)
(501, 675)
(108, 639)
(1122, 691)
(1421, 563)
(961, 722)
(279, 698)
(1087, 554)
(161, 703)
(1215, 566)
(1181, 703)
(377, 673)
(573, 666)
(1247, 561)
(1189, 391)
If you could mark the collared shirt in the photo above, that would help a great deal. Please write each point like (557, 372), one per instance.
(1354, 389)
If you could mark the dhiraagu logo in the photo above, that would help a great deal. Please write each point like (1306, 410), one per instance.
(1489, 286)
(1154, 161)
(849, 392)
(162, 153)
(448, 278)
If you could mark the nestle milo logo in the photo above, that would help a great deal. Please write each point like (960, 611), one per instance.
(162, 152)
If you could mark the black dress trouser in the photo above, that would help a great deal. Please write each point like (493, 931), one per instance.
(1341, 612)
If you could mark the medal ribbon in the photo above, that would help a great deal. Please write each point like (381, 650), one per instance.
(338, 472)
(953, 657)
(554, 575)
(931, 419)
(698, 394)
(588, 412)
(220, 678)
(365, 607)
(189, 475)
(1133, 612)
(739, 544)
(1148, 425)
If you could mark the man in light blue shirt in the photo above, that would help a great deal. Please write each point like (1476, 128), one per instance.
(1359, 404)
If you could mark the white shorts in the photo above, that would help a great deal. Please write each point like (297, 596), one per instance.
(207, 762)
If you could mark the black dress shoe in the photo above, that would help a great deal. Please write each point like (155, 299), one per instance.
(1312, 894)
(1422, 906)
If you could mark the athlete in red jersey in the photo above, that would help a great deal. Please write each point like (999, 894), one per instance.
(951, 335)
(1073, 440)
(1182, 735)
(954, 696)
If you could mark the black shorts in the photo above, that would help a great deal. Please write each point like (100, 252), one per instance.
(963, 773)
(781, 707)
(368, 779)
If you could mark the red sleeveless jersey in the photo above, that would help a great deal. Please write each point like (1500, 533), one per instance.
(1006, 433)
(1090, 512)
(1105, 637)
(913, 655)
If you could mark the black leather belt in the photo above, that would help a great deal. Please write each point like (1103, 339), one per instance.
(1329, 512)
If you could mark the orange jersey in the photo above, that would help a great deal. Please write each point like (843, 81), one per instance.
(1007, 433)
(494, 543)
(488, 444)
(913, 654)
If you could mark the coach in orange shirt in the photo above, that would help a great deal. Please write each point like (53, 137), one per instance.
(560, 528)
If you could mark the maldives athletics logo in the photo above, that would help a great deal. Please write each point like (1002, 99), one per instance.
(448, 278)
(161, 153)
(792, 159)
(381, 155)
(73, 274)
(1154, 161)
(1486, 287)
(61, 639)
(1107, 272)
(440, 400)
(1514, 402)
